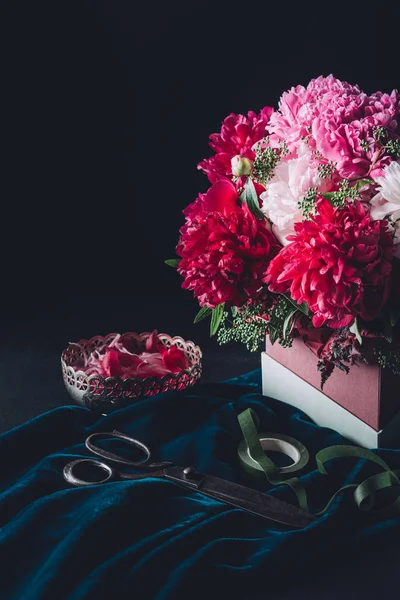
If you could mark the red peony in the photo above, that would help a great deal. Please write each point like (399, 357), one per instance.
(237, 137)
(339, 263)
(225, 250)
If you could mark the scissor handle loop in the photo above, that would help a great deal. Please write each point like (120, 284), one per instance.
(69, 475)
(114, 457)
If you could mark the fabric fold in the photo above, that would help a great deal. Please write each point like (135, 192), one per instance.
(154, 540)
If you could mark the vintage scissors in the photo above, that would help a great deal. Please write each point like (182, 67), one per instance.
(234, 494)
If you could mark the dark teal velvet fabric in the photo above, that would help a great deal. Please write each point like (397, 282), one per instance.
(152, 539)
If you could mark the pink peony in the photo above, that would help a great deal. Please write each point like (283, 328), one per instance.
(237, 138)
(339, 119)
(300, 106)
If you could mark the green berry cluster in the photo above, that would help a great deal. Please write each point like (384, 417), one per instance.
(379, 133)
(266, 160)
(389, 359)
(393, 148)
(307, 204)
(346, 192)
(250, 324)
(326, 170)
(245, 327)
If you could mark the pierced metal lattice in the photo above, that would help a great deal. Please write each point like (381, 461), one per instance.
(106, 394)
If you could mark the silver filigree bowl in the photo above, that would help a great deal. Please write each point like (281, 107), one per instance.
(107, 394)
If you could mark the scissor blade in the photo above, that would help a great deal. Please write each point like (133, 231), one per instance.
(240, 496)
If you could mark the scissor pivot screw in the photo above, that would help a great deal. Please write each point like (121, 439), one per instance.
(189, 471)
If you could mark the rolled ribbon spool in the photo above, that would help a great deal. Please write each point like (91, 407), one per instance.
(275, 442)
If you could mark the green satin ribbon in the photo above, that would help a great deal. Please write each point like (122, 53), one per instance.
(364, 492)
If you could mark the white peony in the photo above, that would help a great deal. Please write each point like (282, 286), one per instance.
(386, 203)
(291, 182)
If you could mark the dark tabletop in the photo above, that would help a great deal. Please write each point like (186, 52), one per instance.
(30, 370)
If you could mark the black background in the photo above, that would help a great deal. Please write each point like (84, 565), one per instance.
(107, 108)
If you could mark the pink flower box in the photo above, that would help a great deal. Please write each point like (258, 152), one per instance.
(363, 405)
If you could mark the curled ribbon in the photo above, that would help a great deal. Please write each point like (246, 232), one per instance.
(259, 463)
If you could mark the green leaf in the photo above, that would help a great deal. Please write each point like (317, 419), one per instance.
(328, 195)
(394, 316)
(303, 307)
(234, 311)
(354, 329)
(288, 322)
(364, 182)
(202, 314)
(216, 317)
(249, 196)
(387, 323)
(273, 334)
(172, 262)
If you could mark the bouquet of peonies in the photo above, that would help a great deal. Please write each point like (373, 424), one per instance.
(299, 232)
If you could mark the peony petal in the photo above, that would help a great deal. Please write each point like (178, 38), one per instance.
(110, 364)
(318, 320)
(344, 321)
(175, 360)
(152, 342)
(221, 197)
(130, 344)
